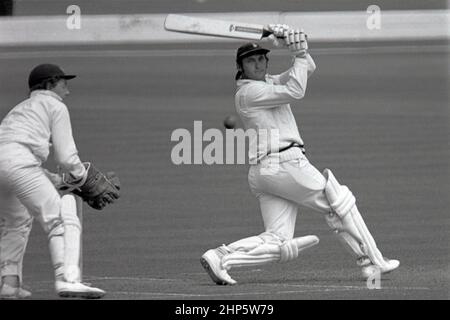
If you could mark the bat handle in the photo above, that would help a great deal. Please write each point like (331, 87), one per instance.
(267, 32)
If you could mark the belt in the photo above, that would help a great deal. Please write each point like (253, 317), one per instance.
(292, 145)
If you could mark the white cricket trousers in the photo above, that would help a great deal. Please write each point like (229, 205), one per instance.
(282, 185)
(25, 192)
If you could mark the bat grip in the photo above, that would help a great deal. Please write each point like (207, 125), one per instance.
(266, 33)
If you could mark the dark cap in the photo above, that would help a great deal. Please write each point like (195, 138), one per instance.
(249, 49)
(46, 71)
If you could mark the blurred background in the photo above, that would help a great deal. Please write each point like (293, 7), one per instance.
(55, 7)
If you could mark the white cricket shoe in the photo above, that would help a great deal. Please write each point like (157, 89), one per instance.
(77, 290)
(211, 262)
(369, 270)
(9, 292)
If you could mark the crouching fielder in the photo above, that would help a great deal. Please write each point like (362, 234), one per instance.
(282, 178)
(28, 191)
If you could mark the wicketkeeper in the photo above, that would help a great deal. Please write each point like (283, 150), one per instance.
(281, 177)
(28, 191)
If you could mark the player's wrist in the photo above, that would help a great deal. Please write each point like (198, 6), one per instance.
(301, 55)
(299, 59)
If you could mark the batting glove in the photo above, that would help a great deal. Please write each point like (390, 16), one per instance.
(278, 31)
(296, 41)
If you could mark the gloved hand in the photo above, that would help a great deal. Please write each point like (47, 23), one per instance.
(296, 41)
(278, 29)
(277, 34)
(99, 189)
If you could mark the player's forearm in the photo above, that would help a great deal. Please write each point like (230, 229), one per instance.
(298, 78)
(282, 78)
(311, 64)
(66, 153)
(72, 164)
(271, 95)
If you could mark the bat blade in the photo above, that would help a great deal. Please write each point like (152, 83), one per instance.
(214, 27)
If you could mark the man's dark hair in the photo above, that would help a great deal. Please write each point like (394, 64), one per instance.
(46, 84)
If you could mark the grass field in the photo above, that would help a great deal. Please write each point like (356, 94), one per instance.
(379, 118)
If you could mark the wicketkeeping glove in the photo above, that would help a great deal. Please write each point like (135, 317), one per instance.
(99, 189)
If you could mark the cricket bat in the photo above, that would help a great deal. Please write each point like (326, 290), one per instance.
(214, 27)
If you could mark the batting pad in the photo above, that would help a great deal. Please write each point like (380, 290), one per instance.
(348, 222)
(269, 251)
(72, 235)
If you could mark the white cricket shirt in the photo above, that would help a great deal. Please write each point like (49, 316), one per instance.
(265, 106)
(40, 122)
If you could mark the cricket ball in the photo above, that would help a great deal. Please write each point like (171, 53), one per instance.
(230, 122)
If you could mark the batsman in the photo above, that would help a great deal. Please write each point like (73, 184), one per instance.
(281, 176)
(28, 191)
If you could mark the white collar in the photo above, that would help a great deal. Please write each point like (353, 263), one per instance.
(47, 93)
(241, 82)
